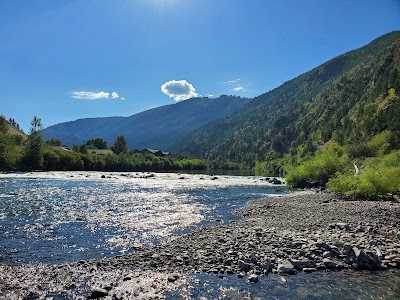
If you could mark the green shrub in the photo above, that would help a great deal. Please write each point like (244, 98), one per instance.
(51, 160)
(379, 177)
(319, 169)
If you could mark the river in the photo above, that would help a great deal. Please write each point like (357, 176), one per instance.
(62, 217)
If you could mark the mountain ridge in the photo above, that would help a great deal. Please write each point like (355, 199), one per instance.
(271, 121)
(158, 127)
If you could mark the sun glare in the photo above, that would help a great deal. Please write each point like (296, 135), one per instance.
(164, 3)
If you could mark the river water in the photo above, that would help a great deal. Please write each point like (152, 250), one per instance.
(61, 217)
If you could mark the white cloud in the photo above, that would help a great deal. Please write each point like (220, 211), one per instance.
(87, 95)
(233, 81)
(239, 89)
(209, 95)
(90, 95)
(237, 85)
(179, 90)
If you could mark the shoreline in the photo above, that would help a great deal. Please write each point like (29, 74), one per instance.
(298, 232)
(304, 231)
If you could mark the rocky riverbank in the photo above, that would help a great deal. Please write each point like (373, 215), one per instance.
(300, 232)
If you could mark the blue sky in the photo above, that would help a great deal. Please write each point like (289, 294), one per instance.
(63, 60)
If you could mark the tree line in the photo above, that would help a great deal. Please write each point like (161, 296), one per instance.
(33, 153)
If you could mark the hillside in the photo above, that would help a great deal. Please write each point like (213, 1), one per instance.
(348, 99)
(14, 131)
(157, 128)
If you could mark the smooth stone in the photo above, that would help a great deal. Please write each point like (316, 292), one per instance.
(285, 266)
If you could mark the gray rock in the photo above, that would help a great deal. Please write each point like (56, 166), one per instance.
(98, 293)
(285, 266)
(309, 270)
(344, 226)
(359, 228)
(329, 263)
(243, 266)
(373, 258)
(228, 261)
(304, 263)
(327, 254)
(347, 249)
(390, 257)
(267, 266)
(253, 278)
(322, 245)
(361, 256)
(173, 277)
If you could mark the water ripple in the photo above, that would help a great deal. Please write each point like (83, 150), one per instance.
(57, 217)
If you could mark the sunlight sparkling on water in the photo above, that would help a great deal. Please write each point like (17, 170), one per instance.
(66, 216)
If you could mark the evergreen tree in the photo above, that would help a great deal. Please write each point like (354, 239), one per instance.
(99, 143)
(34, 155)
(120, 145)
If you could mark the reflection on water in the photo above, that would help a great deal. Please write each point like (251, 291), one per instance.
(67, 216)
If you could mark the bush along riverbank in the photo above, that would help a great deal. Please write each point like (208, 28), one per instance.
(372, 174)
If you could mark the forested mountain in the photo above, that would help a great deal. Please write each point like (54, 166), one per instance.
(157, 128)
(348, 99)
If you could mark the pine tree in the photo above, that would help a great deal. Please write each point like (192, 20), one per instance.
(120, 145)
(34, 155)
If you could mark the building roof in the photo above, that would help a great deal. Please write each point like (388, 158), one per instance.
(100, 151)
(155, 152)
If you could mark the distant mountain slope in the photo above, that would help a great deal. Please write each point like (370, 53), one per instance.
(345, 99)
(158, 128)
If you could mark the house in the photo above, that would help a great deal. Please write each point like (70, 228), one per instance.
(100, 151)
(155, 152)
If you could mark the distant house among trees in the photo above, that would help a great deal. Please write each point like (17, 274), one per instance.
(100, 151)
(155, 152)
